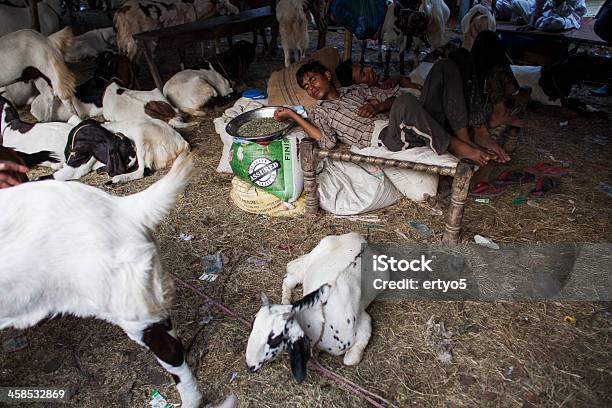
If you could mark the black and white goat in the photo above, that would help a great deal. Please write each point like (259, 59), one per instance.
(32, 137)
(331, 316)
(27, 55)
(93, 145)
(116, 274)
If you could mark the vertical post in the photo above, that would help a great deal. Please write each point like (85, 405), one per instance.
(34, 20)
(348, 45)
(151, 63)
(308, 161)
(460, 189)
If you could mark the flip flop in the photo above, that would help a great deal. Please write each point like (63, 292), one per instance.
(546, 170)
(484, 189)
(512, 178)
(545, 185)
(497, 131)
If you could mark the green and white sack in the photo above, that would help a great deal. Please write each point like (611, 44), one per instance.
(271, 166)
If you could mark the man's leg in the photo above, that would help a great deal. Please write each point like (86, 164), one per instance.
(410, 125)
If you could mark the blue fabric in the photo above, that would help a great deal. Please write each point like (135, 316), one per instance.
(363, 18)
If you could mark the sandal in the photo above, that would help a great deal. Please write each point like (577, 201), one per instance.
(546, 170)
(497, 131)
(545, 185)
(512, 178)
(484, 189)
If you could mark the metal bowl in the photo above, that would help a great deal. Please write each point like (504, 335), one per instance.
(265, 112)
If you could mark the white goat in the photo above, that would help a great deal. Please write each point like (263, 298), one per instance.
(190, 90)
(14, 18)
(31, 138)
(125, 104)
(115, 274)
(91, 44)
(46, 107)
(331, 314)
(293, 28)
(29, 55)
(156, 144)
(478, 18)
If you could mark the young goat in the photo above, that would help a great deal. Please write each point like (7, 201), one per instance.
(155, 142)
(116, 275)
(121, 103)
(331, 314)
(293, 27)
(28, 54)
(32, 138)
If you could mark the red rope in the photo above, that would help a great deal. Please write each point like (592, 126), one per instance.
(343, 382)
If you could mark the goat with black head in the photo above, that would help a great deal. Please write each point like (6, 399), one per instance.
(331, 317)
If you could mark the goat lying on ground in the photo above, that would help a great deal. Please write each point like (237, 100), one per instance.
(121, 103)
(192, 90)
(113, 143)
(109, 67)
(293, 28)
(28, 54)
(115, 275)
(331, 314)
(91, 44)
(32, 138)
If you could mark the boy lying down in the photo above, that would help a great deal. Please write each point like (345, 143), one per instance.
(358, 115)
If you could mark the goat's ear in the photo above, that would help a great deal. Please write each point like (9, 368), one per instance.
(299, 354)
(264, 300)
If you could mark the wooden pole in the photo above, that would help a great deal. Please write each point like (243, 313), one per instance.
(308, 160)
(151, 63)
(460, 189)
(348, 45)
(34, 20)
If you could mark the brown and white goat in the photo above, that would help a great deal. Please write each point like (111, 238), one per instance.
(116, 275)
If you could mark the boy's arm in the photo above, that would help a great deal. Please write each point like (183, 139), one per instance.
(370, 110)
(310, 129)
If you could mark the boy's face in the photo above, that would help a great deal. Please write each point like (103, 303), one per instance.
(364, 75)
(316, 85)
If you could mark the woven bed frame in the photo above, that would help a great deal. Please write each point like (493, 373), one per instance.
(310, 154)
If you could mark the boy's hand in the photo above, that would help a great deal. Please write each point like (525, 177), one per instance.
(389, 83)
(367, 111)
(5, 179)
(281, 114)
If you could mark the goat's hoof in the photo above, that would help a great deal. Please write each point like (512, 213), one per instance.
(109, 183)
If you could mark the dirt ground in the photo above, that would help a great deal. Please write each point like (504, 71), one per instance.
(505, 354)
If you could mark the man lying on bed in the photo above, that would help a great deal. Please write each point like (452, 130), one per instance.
(544, 15)
(358, 115)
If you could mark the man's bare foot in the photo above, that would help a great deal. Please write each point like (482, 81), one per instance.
(467, 151)
(484, 140)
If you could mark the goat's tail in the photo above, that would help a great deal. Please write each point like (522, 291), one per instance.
(62, 40)
(34, 159)
(150, 206)
(124, 29)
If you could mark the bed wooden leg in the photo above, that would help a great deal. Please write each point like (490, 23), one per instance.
(308, 161)
(460, 189)
(148, 53)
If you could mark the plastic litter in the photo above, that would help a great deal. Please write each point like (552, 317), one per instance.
(259, 260)
(157, 401)
(420, 228)
(234, 376)
(564, 163)
(15, 342)
(600, 140)
(519, 200)
(363, 218)
(437, 211)
(185, 237)
(254, 94)
(485, 242)
(605, 188)
(564, 123)
(212, 265)
(569, 319)
(534, 203)
(483, 200)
